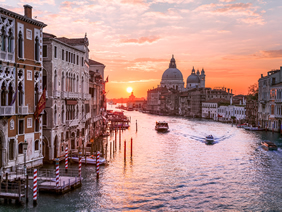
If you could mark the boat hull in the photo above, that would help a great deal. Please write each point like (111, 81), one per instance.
(91, 161)
(269, 145)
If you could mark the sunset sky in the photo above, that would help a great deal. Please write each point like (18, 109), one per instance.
(234, 41)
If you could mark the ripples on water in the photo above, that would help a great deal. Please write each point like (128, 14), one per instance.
(177, 171)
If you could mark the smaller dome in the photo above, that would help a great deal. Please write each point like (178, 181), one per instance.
(193, 79)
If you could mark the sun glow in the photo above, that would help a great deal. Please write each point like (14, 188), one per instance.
(129, 89)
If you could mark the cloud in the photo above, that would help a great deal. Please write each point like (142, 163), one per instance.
(236, 6)
(226, 0)
(269, 54)
(135, 81)
(39, 2)
(141, 40)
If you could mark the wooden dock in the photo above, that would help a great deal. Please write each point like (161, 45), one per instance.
(66, 184)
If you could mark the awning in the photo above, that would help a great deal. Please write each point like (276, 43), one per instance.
(71, 102)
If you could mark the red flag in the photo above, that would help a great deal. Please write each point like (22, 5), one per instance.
(40, 105)
(107, 80)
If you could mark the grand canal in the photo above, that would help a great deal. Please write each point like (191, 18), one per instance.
(177, 171)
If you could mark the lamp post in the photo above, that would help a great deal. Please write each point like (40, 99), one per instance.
(25, 171)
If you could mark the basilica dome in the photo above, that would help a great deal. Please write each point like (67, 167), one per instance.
(193, 78)
(172, 74)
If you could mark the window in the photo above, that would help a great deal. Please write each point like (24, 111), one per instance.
(36, 123)
(21, 94)
(77, 59)
(36, 145)
(55, 51)
(67, 56)
(20, 45)
(29, 75)
(82, 59)
(3, 39)
(44, 50)
(63, 54)
(11, 149)
(21, 127)
(20, 149)
(62, 136)
(44, 118)
(36, 49)
(29, 123)
(67, 135)
(10, 41)
(28, 34)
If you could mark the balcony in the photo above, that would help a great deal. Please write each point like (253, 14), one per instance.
(278, 100)
(72, 123)
(87, 96)
(7, 110)
(56, 94)
(70, 95)
(73, 95)
(88, 116)
(22, 110)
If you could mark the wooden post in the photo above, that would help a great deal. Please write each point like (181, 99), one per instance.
(110, 150)
(124, 150)
(26, 179)
(131, 148)
(115, 134)
(136, 126)
(6, 186)
(34, 187)
(119, 136)
(106, 155)
(19, 190)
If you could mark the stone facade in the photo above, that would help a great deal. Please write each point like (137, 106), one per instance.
(21, 87)
(66, 78)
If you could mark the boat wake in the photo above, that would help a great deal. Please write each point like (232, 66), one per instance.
(216, 139)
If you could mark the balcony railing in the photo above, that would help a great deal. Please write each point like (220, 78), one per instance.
(88, 116)
(278, 100)
(56, 94)
(70, 95)
(72, 123)
(6, 110)
(22, 110)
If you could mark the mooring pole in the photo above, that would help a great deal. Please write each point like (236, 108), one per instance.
(131, 148)
(136, 126)
(124, 150)
(34, 187)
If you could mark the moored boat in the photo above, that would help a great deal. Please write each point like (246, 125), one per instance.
(90, 160)
(269, 145)
(161, 126)
(209, 139)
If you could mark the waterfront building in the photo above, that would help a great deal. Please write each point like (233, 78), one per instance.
(66, 78)
(169, 102)
(210, 108)
(270, 100)
(252, 112)
(135, 103)
(98, 100)
(21, 71)
(153, 99)
(196, 80)
(235, 111)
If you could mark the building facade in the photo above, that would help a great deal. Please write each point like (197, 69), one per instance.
(21, 72)
(66, 78)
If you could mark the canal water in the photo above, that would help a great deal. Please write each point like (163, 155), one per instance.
(178, 171)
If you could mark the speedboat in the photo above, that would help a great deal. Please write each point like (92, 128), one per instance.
(269, 145)
(90, 160)
(161, 126)
(209, 139)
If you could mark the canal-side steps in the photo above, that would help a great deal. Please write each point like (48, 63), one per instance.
(12, 191)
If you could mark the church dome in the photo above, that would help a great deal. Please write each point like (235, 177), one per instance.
(193, 78)
(172, 73)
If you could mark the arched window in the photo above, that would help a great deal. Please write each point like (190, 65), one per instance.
(36, 49)
(63, 82)
(55, 80)
(82, 85)
(11, 149)
(20, 45)
(55, 116)
(63, 114)
(3, 39)
(10, 41)
(36, 94)
(76, 112)
(36, 145)
(77, 84)
(21, 94)
(10, 94)
(44, 118)
(3, 94)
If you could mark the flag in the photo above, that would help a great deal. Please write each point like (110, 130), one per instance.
(107, 80)
(14, 97)
(40, 105)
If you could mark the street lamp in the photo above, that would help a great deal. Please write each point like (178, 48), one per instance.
(25, 171)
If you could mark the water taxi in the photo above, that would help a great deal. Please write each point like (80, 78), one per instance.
(209, 139)
(269, 145)
(161, 126)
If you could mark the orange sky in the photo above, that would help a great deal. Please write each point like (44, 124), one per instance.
(234, 41)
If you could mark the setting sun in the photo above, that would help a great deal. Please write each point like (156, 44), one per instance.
(129, 89)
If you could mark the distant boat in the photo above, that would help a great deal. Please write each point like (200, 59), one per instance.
(161, 126)
(254, 128)
(269, 145)
(90, 160)
(209, 139)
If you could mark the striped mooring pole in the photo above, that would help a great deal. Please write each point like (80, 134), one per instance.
(98, 163)
(35, 187)
(79, 165)
(66, 159)
(57, 172)
(124, 150)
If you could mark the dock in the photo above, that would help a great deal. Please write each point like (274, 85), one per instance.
(66, 184)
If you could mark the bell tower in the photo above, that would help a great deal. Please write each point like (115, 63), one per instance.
(202, 79)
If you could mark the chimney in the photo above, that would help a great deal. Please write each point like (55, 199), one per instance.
(231, 91)
(228, 90)
(261, 75)
(28, 11)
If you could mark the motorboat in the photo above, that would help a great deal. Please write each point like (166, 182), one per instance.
(269, 145)
(209, 139)
(242, 125)
(161, 126)
(256, 129)
(90, 160)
